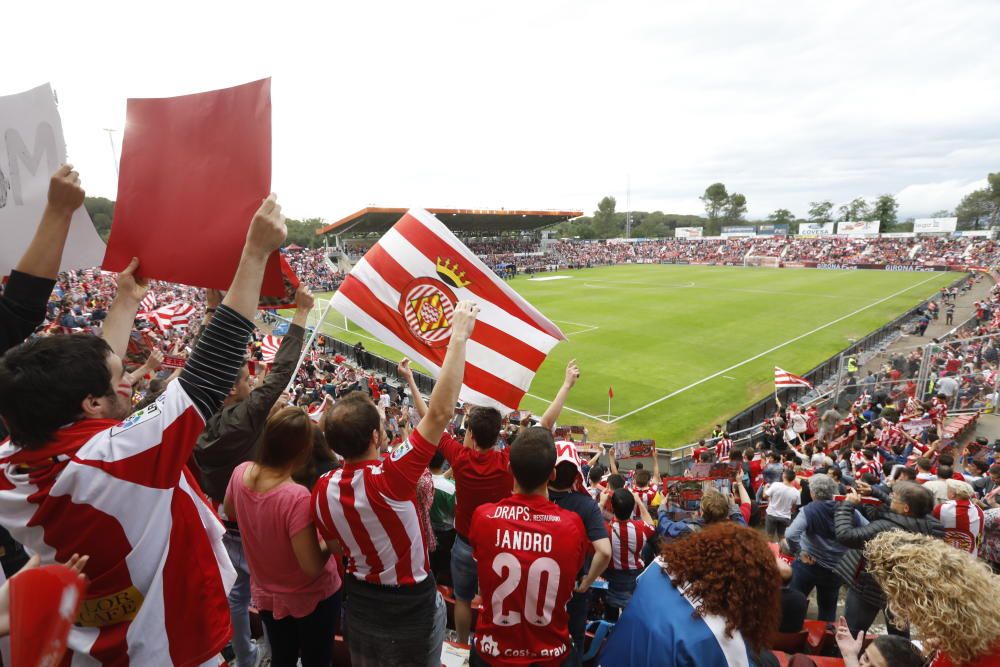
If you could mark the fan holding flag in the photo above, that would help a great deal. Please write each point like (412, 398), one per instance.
(783, 378)
(405, 289)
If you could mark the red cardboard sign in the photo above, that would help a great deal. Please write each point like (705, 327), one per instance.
(194, 169)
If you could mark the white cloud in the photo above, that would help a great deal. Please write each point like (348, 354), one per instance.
(554, 104)
(925, 198)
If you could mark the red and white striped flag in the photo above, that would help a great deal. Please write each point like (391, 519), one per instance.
(269, 347)
(783, 378)
(175, 315)
(148, 303)
(404, 291)
(182, 313)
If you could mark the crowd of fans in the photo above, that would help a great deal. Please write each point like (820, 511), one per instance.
(327, 501)
(930, 251)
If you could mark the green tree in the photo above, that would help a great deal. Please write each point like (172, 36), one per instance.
(650, 225)
(604, 218)
(303, 232)
(884, 211)
(715, 200)
(943, 213)
(736, 208)
(976, 209)
(860, 210)
(994, 187)
(821, 211)
(781, 216)
(102, 212)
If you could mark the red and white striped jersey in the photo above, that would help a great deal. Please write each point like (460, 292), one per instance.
(628, 537)
(121, 493)
(646, 495)
(722, 449)
(874, 467)
(528, 551)
(891, 436)
(963, 524)
(370, 508)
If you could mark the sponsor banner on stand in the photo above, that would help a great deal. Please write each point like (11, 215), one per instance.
(742, 230)
(857, 228)
(829, 265)
(772, 230)
(816, 228)
(934, 225)
(688, 232)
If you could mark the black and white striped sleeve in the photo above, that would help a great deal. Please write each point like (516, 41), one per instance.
(215, 363)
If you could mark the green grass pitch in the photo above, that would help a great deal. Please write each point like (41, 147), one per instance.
(686, 347)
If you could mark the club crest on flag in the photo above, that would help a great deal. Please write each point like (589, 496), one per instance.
(427, 305)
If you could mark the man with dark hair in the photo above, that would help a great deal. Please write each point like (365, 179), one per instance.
(482, 475)
(782, 498)
(230, 438)
(568, 492)
(78, 479)
(628, 538)
(368, 510)
(909, 510)
(524, 546)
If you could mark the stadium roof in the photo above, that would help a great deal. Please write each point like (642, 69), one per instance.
(377, 219)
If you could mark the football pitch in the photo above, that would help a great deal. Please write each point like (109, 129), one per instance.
(686, 347)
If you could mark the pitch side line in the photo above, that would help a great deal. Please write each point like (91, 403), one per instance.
(765, 352)
(587, 327)
(566, 407)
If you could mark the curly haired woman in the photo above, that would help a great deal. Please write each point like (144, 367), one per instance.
(948, 595)
(711, 599)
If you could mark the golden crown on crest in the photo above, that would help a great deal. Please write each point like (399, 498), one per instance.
(451, 273)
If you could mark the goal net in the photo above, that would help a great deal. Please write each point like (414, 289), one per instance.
(763, 260)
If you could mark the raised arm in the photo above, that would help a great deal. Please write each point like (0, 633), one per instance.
(442, 406)
(121, 316)
(602, 556)
(266, 234)
(612, 463)
(215, 362)
(151, 365)
(656, 466)
(44, 254)
(406, 372)
(643, 510)
(552, 413)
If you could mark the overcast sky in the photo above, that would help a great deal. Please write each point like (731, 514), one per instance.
(551, 104)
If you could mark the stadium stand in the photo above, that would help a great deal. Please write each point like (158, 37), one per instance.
(892, 444)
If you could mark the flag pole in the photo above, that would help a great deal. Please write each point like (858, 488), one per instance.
(308, 344)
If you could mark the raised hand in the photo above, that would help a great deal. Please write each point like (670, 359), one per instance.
(572, 373)
(849, 645)
(304, 299)
(463, 320)
(65, 192)
(404, 370)
(267, 229)
(155, 360)
(130, 287)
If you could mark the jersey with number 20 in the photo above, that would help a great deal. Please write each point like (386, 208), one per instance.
(528, 551)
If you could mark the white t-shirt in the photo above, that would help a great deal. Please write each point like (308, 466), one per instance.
(782, 499)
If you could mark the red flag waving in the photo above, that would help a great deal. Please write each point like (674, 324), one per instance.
(783, 378)
(404, 291)
(611, 392)
(194, 169)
